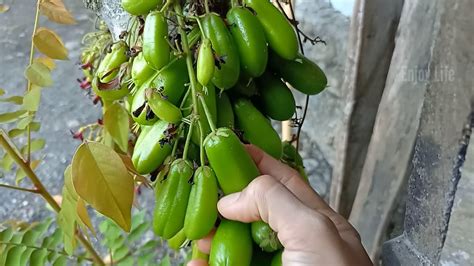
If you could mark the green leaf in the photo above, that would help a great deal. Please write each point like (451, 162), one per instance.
(25, 257)
(39, 74)
(7, 162)
(12, 116)
(38, 257)
(138, 219)
(36, 145)
(84, 215)
(120, 253)
(20, 174)
(150, 244)
(53, 240)
(2, 92)
(128, 261)
(136, 233)
(146, 258)
(60, 261)
(166, 261)
(32, 100)
(24, 122)
(18, 100)
(34, 126)
(6, 235)
(116, 121)
(102, 180)
(14, 255)
(67, 216)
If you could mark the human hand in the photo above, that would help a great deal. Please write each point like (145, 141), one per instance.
(309, 230)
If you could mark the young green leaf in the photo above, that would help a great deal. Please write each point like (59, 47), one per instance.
(48, 62)
(18, 100)
(20, 174)
(32, 99)
(166, 261)
(103, 181)
(34, 126)
(84, 215)
(24, 122)
(7, 162)
(67, 216)
(50, 44)
(39, 74)
(36, 145)
(116, 121)
(12, 116)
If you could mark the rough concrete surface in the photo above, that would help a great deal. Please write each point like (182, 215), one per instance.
(390, 149)
(441, 139)
(370, 51)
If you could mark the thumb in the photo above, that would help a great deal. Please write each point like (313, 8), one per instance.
(268, 200)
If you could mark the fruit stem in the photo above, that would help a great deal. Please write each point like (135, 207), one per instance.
(208, 113)
(201, 148)
(206, 6)
(188, 140)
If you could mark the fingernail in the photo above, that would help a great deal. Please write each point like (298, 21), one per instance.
(228, 200)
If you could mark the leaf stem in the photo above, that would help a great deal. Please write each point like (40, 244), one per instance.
(31, 190)
(28, 86)
(11, 150)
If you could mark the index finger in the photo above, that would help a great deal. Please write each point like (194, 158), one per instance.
(286, 175)
(291, 179)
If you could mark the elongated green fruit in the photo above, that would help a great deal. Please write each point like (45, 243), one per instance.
(172, 199)
(201, 213)
(265, 237)
(280, 34)
(249, 38)
(205, 62)
(225, 114)
(141, 71)
(140, 7)
(231, 245)
(227, 71)
(109, 66)
(303, 74)
(230, 161)
(163, 108)
(276, 99)
(178, 240)
(152, 148)
(257, 129)
(277, 261)
(156, 49)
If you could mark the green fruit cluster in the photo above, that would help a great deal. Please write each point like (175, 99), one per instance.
(198, 84)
